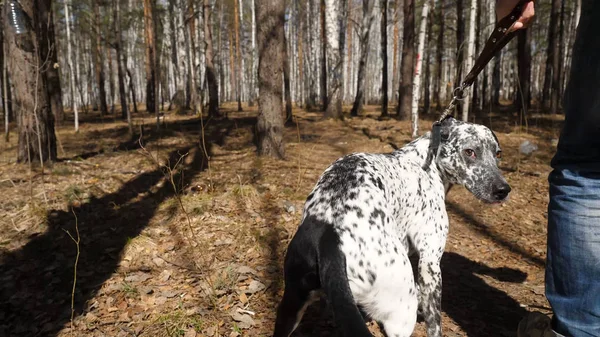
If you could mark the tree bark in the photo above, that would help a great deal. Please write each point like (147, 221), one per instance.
(428, 52)
(211, 78)
(238, 64)
(323, 59)
(98, 60)
(460, 50)
(406, 64)
(418, 66)
(70, 63)
(524, 64)
(270, 36)
(333, 20)
(552, 59)
(26, 63)
(470, 56)
(150, 40)
(367, 22)
(286, 82)
(439, 57)
(395, 72)
(51, 55)
(384, 59)
(125, 113)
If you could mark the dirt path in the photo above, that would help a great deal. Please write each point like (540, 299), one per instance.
(206, 261)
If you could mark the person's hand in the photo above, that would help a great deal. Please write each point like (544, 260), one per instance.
(504, 7)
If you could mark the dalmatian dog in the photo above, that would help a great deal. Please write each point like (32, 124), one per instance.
(364, 217)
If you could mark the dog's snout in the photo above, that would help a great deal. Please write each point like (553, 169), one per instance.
(501, 191)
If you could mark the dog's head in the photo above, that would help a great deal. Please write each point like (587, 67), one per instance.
(468, 156)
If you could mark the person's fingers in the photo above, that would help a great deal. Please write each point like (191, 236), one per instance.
(526, 17)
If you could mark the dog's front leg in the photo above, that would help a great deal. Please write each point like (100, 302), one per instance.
(430, 295)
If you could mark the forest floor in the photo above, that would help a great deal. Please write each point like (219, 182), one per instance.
(186, 235)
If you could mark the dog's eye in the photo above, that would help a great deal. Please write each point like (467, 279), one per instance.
(499, 154)
(470, 153)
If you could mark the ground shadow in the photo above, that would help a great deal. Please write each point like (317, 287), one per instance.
(479, 309)
(484, 229)
(35, 292)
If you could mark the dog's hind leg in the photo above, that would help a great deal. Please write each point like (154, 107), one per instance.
(394, 301)
(291, 309)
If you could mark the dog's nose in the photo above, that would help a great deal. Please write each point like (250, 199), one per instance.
(501, 191)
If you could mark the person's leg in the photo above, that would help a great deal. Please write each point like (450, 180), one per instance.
(573, 257)
(573, 260)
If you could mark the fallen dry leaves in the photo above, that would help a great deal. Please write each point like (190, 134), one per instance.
(223, 276)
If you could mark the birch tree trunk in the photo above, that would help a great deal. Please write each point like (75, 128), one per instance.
(470, 56)
(270, 38)
(333, 21)
(254, 91)
(418, 66)
(384, 59)
(406, 64)
(367, 22)
(71, 68)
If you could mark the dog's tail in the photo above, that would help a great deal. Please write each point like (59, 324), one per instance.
(334, 282)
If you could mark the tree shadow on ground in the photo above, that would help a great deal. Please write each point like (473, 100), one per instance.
(37, 279)
(489, 232)
(478, 308)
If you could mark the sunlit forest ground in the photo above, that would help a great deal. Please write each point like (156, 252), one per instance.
(182, 231)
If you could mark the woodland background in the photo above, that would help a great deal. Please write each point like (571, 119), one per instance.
(157, 153)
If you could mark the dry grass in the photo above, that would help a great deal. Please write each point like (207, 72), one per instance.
(202, 258)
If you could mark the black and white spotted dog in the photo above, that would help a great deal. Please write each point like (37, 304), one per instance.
(366, 213)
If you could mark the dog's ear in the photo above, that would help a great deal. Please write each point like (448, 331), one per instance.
(447, 124)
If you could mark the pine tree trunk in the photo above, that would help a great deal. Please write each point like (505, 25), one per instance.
(70, 63)
(150, 40)
(470, 56)
(98, 60)
(53, 76)
(524, 64)
(286, 82)
(238, 64)
(211, 78)
(558, 87)
(323, 59)
(395, 72)
(384, 59)
(551, 59)
(33, 107)
(439, 57)
(417, 74)
(405, 91)
(428, 51)
(125, 113)
(270, 36)
(367, 22)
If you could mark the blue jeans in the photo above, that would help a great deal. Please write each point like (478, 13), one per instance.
(573, 261)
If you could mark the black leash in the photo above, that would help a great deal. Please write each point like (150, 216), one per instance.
(499, 38)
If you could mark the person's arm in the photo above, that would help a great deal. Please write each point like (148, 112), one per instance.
(504, 7)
